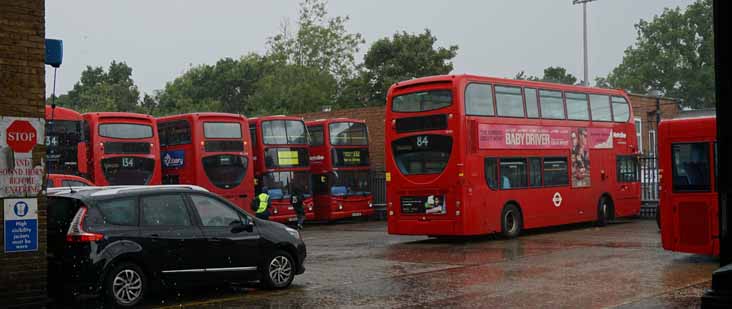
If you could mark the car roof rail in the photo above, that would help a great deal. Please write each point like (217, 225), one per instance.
(120, 189)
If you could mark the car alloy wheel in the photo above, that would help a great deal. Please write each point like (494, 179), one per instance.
(127, 286)
(280, 271)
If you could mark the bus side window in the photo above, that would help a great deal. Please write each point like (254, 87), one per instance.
(532, 109)
(491, 173)
(627, 169)
(555, 171)
(552, 104)
(534, 172)
(479, 100)
(691, 167)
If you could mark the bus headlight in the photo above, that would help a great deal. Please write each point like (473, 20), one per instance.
(310, 208)
(340, 207)
(457, 213)
(371, 205)
(391, 212)
(275, 211)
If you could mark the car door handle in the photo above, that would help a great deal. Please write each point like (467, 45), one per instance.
(219, 239)
(154, 235)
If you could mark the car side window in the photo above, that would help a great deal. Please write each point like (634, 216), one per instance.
(169, 209)
(72, 183)
(214, 213)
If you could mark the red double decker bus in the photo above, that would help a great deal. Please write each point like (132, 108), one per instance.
(211, 150)
(120, 149)
(468, 155)
(339, 162)
(280, 147)
(688, 201)
(63, 134)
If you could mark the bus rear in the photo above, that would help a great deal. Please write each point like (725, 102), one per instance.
(63, 134)
(211, 150)
(281, 163)
(339, 161)
(424, 169)
(688, 206)
(122, 149)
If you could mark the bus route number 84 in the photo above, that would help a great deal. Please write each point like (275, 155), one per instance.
(423, 141)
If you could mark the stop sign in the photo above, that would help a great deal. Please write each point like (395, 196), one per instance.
(21, 136)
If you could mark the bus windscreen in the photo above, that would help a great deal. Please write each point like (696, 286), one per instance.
(222, 130)
(348, 134)
(125, 130)
(422, 101)
(284, 132)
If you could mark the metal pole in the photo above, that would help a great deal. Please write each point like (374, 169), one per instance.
(584, 27)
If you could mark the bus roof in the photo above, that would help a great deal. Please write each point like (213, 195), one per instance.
(62, 113)
(694, 126)
(202, 115)
(506, 81)
(332, 120)
(119, 115)
(258, 120)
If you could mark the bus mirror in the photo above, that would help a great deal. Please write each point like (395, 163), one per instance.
(81, 159)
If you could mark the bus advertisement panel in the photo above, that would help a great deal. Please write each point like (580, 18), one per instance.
(339, 161)
(211, 150)
(470, 155)
(281, 163)
(120, 149)
(688, 200)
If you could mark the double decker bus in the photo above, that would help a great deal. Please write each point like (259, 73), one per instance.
(688, 201)
(469, 155)
(280, 147)
(63, 134)
(211, 150)
(120, 149)
(339, 162)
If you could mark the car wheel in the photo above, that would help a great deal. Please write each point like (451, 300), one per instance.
(603, 209)
(278, 271)
(511, 221)
(126, 285)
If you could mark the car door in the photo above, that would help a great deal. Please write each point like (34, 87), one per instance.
(232, 253)
(171, 240)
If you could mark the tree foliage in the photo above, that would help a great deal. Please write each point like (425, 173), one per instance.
(293, 88)
(552, 75)
(100, 90)
(226, 86)
(402, 57)
(674, 53)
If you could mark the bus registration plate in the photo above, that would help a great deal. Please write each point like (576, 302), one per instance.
(292, 219)
(356, 214)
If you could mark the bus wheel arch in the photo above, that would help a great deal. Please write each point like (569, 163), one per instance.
(605, 209)
(512, 220)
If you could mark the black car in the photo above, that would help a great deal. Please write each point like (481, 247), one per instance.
(125, 241)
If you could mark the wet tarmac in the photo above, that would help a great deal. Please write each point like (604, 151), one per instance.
(356, 264)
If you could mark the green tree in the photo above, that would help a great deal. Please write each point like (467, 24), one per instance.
(404, 56)
(552, 75)
(319, 42)
(674, 53)
(100, 90)
(226, 86)
(293, 88)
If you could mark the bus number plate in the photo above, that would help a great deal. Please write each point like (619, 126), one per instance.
(356, 214)
(292, 219)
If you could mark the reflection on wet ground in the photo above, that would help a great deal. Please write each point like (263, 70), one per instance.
(356, 264)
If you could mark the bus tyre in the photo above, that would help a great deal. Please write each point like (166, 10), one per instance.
(511, 221)
(125, 285)
(603, 211)
(278, 270)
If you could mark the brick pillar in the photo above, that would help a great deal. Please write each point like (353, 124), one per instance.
(22, 94)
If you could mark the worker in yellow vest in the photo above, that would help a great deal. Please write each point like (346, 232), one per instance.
(261, 204)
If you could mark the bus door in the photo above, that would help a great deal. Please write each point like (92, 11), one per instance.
(627, 194)
(693, 202)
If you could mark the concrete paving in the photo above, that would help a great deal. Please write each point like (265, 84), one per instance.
(357, 264)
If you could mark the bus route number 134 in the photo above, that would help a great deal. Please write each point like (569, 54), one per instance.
(128, 162)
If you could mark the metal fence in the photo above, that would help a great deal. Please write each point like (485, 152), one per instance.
(648, 168)
(378, 190)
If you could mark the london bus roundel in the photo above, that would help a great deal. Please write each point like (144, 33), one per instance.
(557, 199)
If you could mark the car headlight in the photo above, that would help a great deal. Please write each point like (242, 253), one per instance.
(293, 232)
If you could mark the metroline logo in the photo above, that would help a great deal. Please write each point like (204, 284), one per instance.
(619, 134)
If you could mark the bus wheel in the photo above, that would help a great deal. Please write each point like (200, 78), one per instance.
(511, 221)
(603, 209)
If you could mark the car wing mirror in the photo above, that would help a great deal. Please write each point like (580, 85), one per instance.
(247, 225)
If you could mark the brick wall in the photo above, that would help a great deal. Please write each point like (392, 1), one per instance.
(22, 93)
(374, 117)
(644, 108)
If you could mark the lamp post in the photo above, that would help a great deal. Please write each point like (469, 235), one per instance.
(584, 32)
(657, 93)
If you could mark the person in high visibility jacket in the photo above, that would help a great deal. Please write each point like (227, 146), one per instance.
(261, 204)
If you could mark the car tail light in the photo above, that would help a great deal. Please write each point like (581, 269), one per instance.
(76, 231)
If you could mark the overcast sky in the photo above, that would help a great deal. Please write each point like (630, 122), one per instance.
(161, 39)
